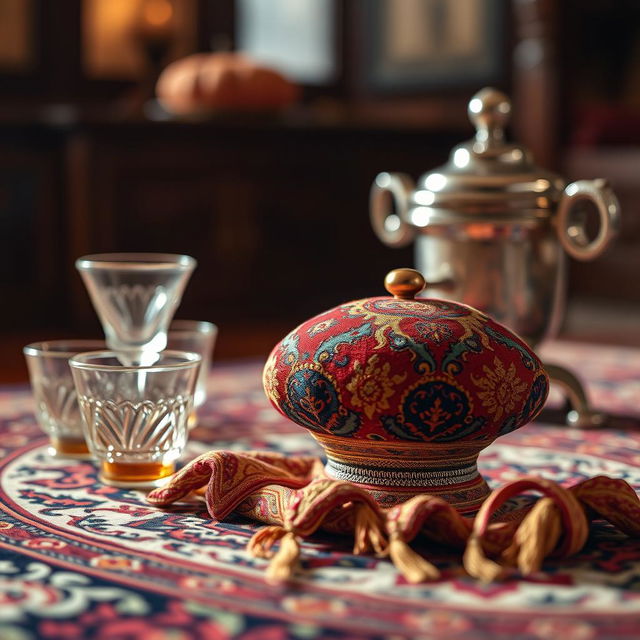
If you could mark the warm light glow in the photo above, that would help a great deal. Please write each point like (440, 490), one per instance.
(392, 223)
(420, 216)
(383, 180)
(157, 12)
(461, 158)
(541, 185)
(475, 106)
(481, 231)
(425, 198)
(436, 182)
(113, 30)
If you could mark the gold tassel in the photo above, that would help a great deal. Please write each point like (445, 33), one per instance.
(478, 565)
(285, 560)
(368, 533)
(535, 538)
(409, 563)
(262, 541)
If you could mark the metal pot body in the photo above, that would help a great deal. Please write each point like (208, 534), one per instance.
(491, 228)
(510, 264)
(514, 272)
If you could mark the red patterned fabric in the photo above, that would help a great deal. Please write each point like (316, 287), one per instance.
(405, 370)
(404, 394)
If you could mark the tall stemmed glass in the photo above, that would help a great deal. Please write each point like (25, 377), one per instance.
(135, 296)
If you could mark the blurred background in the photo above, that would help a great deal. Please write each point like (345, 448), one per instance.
(273, 203)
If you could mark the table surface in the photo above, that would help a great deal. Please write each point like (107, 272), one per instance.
(79, 559)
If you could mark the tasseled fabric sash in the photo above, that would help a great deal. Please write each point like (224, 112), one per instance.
(296, 498)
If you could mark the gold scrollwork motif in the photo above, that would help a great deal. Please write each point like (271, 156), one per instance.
(372, 385)
(270, 376)
(384, 314)
(502, 390)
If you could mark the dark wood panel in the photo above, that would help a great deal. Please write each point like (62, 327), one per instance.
(613, 275)
(277, 217)
(32, 239)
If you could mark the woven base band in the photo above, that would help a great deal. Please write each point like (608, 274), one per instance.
(419, 478)
(394, 471)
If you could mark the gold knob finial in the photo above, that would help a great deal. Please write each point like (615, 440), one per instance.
(404, 284)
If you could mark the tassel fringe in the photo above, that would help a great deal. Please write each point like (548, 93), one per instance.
(535, 538)
(478, 565)
(409, 563)
(262, 541)
(285, 561)
(558, 523)
(368, 533)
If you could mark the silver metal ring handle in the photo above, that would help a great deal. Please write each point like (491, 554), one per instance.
(573, 234)
(392, 228)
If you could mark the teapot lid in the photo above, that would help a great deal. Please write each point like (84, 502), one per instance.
(486, 176)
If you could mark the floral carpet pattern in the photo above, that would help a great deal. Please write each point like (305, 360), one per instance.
(82, 560)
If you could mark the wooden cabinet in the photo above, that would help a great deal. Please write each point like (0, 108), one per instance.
(32, 236)
(276, 214)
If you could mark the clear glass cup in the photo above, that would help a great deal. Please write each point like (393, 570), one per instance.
(135, 417)
(199, 337)
(54, 393)
(135, 296)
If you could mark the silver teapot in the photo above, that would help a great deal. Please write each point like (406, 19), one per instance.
(491, 230)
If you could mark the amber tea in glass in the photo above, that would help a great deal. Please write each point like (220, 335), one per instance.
(135, 417)
(54, 393)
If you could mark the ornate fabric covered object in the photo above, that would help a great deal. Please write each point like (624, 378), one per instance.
(404, 393)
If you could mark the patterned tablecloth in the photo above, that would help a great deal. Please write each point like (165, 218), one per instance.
(79, 559)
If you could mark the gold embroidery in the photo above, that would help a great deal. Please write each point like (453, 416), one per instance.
(269, 377)
(385, 314)
(372, 386)
(319, 327)
(501, 389)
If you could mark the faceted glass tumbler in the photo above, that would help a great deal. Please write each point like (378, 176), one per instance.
(135, 296)
(54, 393)
(135, 418)
(199, 337)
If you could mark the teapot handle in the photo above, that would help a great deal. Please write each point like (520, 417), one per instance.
(572, 233)
(392, 229)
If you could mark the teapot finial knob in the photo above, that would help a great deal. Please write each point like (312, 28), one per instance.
(489, 111)
(404, 284)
